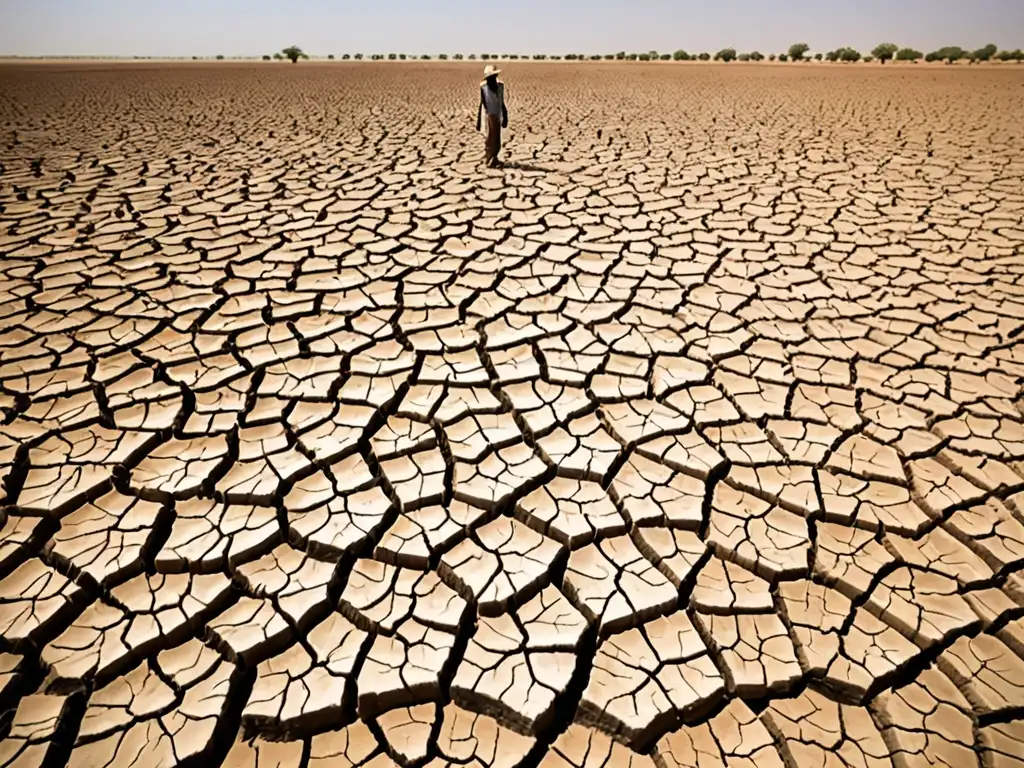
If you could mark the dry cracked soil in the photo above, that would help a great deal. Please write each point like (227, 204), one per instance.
(694, 437)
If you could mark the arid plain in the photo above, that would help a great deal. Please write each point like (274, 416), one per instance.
(694, 437)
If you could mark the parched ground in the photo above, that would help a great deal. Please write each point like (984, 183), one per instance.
(694, 438)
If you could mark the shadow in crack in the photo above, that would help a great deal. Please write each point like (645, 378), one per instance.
(514, 166)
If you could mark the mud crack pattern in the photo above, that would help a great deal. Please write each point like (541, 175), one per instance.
(695, 438)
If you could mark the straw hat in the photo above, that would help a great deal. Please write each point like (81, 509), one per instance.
(490, 71)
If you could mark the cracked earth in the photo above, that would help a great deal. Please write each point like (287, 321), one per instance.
(693, 438)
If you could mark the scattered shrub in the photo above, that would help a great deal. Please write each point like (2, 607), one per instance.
(884, 51)
(797, 51)
(358, 57)
(457, 57)
(681, 55)
(485, 56)
(609, 57)
(539, 56)
(596, 57)
(220, 57)
(757, 56)
(620, 56)
(645, 57)
(705, 57)
(744, 57)
(666, 57)
(633, 56)
(726, 54)
(402, 57)
(443, 57)
(817, 57)
(868, 59)
(266, 57)
(425, 57)
(345, 57)
(783, 57)
(330, 57)
(908, 54)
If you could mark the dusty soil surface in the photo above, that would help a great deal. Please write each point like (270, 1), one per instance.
(694, 436)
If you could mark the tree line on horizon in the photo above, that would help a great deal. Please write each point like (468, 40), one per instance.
(798, 52)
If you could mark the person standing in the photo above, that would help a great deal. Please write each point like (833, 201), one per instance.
(492, 105)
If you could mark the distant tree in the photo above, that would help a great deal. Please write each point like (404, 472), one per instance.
(756, 56)
(783, 57)
(908, 54)
(665, 57)
(330, 57)
(294, 53)
(425, 57)
(555, 57)
(884, 51)
(681, 55)
(984, 54)
(817, 57)
(457, 57)
(653, 55)
(392, 56)
(220, 57)
(278, 56)
(849, 54)
(402, 57)
(514, 56)
(633, 56)
(345, 57)
(620, 56)
(948, 54)
(726, 54)
(540, 56)
(771, 57)
(645, 57)
(472, 57)
(609, 57)
(358, 57)
(1017, 55)
(833, 55)
(266, 57)
(443, 57)
(797, 51)
(744, 57)
(868, 59)
(485, 56)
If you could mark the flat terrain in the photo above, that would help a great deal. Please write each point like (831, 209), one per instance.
(694, 437)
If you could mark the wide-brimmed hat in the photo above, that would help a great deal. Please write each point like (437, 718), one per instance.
(490, 71)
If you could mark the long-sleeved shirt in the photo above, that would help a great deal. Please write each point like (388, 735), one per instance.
(492, 103)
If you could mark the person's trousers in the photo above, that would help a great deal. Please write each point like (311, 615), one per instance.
(493, 145)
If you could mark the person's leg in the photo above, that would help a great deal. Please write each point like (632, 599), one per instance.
(493, 139)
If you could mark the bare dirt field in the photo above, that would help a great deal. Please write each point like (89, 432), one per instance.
(692, 438)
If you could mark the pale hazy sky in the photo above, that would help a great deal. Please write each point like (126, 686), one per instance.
(252, 27)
